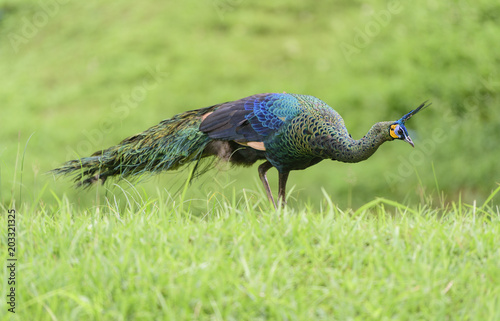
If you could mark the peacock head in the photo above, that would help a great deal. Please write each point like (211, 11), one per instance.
(398, 130)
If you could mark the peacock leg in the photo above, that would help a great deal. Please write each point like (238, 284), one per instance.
(263, 168)
(283, 177)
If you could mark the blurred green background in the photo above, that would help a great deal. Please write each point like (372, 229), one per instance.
(81, 76)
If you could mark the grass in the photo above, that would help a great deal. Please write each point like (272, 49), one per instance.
(239, 259)
(70, 85)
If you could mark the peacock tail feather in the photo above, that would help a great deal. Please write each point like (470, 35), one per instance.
(169, 145)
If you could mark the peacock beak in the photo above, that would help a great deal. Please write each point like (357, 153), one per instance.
(409, 141)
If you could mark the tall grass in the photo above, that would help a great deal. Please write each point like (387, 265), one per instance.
(161, 257)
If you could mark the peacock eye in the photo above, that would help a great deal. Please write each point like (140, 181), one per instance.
(400, 132)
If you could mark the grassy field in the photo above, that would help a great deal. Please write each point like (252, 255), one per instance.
(241, 260)
(410, 234)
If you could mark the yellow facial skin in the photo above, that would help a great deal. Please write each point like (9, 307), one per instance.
(392, 133)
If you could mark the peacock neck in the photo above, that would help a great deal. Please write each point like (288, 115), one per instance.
(349, 150)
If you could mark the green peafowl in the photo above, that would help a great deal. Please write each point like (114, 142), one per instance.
(287, 131)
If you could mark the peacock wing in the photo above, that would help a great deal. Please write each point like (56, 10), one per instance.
(251, 119)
